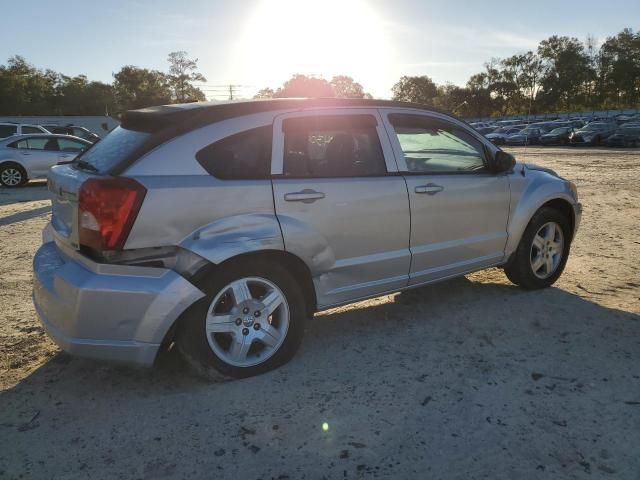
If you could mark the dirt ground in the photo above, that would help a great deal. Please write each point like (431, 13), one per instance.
(471, 378)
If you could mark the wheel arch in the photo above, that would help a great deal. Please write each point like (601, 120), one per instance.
(527, 208)
(294, 264)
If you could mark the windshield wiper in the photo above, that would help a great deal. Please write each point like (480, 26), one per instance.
(84, 165)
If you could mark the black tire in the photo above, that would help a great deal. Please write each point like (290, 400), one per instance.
(15, 166)
(191, 337)
(519, 270)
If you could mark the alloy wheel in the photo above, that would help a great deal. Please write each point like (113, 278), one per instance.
(247, 321)
(547, 250)
(11, 177)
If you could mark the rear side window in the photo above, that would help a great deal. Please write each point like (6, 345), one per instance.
(332, 146)
(244, 156)
(114, 148)
(31, 130)
(7, 130)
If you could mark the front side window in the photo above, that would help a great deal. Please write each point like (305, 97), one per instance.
(332, 146)
(243, 156)
(68, 145)
(433, 146)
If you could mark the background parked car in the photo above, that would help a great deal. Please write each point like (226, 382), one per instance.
(74, 130)
(557, 136)
(593, 133)
(8, 129)
(528, 136)
(499, 137)
(625, 137)
(25, 157)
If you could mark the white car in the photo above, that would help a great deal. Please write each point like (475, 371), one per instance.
(9, 129)
(25, 157)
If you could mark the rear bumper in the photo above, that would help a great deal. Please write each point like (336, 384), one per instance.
(107, 312)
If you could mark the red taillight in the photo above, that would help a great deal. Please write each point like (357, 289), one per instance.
(107, 208)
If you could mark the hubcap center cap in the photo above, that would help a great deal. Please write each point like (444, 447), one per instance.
(248, 320)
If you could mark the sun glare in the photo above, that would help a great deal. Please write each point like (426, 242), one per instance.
(313, 37)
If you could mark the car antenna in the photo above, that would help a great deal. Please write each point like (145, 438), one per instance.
(526, 140)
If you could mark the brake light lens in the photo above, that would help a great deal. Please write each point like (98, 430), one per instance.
(107, 208)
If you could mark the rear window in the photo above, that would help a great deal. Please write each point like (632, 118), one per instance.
(115, 147)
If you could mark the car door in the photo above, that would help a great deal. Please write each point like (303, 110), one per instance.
(340, 202)
(41, 154)
(459, 210)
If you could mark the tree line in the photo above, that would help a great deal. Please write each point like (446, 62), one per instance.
(562, 74)
(27, 90)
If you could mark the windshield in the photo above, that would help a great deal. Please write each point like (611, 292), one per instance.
(115, 147)
(594, 126)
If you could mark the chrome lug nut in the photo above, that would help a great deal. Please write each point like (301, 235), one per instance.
(256, 326)
(245, 310)
(238, 321)
(256, 313)
(245, 331)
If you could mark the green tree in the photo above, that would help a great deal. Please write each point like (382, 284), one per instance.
(619, 70)
(415, 89)
(305, 86)
(182, 72)
(568, 72)
(265, 93)
(139, 87)
(346, 87)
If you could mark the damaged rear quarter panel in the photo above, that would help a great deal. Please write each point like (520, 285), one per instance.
(214, 218)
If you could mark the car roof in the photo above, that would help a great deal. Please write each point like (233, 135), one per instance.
(14, 138)
(197, 114)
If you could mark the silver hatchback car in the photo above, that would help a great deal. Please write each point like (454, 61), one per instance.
(221, 228)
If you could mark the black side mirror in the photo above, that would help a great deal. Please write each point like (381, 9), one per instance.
(502, 162)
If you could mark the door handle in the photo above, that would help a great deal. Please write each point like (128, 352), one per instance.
(305, 196)
(25, 153)
(429, 189)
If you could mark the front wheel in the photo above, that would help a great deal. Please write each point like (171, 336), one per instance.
(251, 321)
(543, 251)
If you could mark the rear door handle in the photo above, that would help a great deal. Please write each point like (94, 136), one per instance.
(429, 189)
(305, 196)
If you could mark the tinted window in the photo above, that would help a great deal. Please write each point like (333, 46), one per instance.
(7, 130)
(114, 148)
(243, 156)
(42, 143)
(433, 146)
(332, 146)
(19, 144)
(68, 145)
(31, 130)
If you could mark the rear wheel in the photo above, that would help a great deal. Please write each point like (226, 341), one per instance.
(543, 251)
(251, 321)
(12, 175)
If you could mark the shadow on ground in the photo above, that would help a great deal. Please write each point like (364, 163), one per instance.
(457, 380)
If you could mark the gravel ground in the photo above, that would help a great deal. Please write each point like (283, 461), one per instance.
(470, 378)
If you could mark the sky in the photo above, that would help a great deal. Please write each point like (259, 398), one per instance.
(261, 43)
